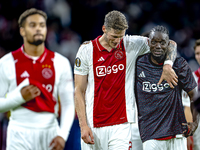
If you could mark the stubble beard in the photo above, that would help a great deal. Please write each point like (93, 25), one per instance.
(159, 59)
(36, 42)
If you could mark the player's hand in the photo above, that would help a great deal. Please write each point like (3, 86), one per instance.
(58, 143)
(86, 135)
(192, 126)
(30, 92)
(190, 143)
(169, 75)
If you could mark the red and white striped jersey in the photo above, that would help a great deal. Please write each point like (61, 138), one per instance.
(110, 95)
(52, 73)
(197, 76)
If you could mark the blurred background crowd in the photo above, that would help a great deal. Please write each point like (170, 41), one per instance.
(71, 22)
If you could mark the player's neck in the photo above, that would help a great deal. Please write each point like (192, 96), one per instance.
(103, 42)
(33, 50)
(156, 62)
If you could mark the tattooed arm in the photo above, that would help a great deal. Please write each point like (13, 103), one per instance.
(172, 51)
(168, 73)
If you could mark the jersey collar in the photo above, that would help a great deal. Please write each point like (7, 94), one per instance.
(40, 58)
(101, 48)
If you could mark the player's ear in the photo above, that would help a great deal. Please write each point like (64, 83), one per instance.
(103, 29)
(22, 32)
(148, 40)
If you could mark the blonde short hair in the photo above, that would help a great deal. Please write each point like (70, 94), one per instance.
(115, 20)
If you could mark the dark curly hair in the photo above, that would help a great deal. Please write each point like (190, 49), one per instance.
(161, 29)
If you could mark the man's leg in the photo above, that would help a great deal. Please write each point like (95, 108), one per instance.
(120, 137)
(136, 140)
(20, 138)
(100, 139)
(155, 145)
(196, 138)
(178, 144)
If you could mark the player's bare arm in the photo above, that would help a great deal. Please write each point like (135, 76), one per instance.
(195, 115)
(80, 88)
(168, 73)
(172, 51)
(188, 116)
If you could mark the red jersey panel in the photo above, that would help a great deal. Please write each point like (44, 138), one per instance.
(197, 73)
(41, 73)
(109, 81)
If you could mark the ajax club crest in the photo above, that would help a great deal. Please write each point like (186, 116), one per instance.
(47, 72)
(119, 54)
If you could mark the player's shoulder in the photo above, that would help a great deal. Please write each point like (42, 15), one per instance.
(7, 58)
(61, 63)
(86, 46)
(180, 60)
(60, 58)
(143, 57)
(85, 51)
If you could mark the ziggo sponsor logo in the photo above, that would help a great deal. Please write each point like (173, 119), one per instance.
(103, 70)
(148, 87)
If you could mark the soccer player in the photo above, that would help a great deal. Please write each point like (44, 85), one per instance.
(34, 79)
(104, 75)
(188, 117)
(161, 117)
(196, 136)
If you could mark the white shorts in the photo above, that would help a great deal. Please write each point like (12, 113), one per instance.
(172, 144)
(196, 138)
(136, 142)
(116, 137)
(20, 138)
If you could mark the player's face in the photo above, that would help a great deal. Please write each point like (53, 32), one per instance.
(35, 30)
(113, 37)
(158, 43)
(197, 54)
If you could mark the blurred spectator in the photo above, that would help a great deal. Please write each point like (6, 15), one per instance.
(69, 44)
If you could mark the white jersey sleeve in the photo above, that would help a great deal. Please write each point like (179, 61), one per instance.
(137, 44)
(13, 98)
(185, 97)
(134, 46)
(84, 59)
(66, 95)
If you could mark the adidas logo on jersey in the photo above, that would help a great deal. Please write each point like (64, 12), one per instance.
(25, 74)
(16, 60)
(101, 59)
(142, 75)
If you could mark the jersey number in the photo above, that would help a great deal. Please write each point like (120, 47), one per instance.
(48, 87)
